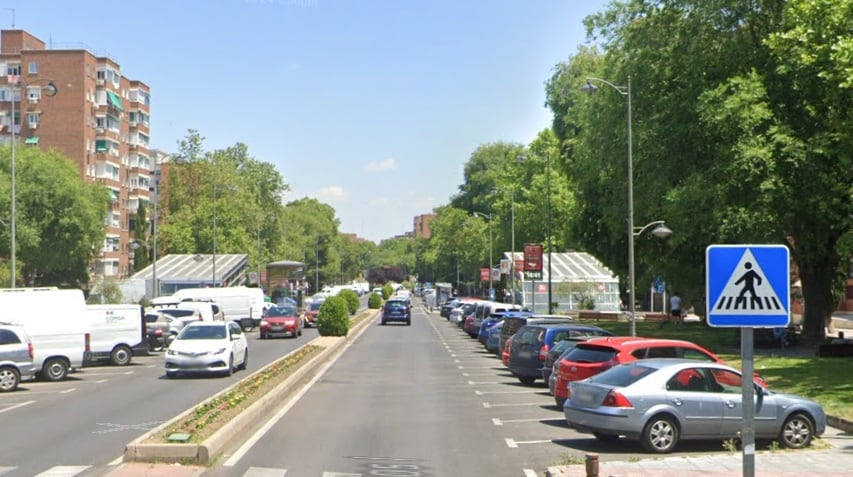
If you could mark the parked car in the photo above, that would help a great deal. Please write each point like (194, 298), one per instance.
(161, 329)
(16, 357)
(457, 314)
(494, 336)
(184, 315)
(396, 310)
(281, 320)
(531, 343)
(661, 402)
(311, 313)
(444, 311)
(486, 309)
(208, 347)
(516, 319)
(560, 348)
(599, 354)
(483, 332)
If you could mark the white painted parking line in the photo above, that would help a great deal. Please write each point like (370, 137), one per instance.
(529, 473)
(340, 474)
(66, 391)
(520, 391)
(63, 471)
(499, 422)
(264, 472)
(6, 470)
(475, 383)
(513, 444)
(489, 405)
(16, 406)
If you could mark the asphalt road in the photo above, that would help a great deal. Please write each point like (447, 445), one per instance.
(84, 423)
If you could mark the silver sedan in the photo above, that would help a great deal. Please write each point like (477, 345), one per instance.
(660, 402)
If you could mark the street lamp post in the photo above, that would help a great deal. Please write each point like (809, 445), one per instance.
(49, 89)
(661, 231)
(550, 244)
(489, 218)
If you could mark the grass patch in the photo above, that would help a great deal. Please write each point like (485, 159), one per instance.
(824, 380)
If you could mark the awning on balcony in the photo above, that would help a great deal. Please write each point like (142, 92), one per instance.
(100, 145)
(34, 140)
(115, 100)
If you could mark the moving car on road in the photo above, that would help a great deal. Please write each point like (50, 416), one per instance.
(396, 310)
(208, 347)
(661, 402)
(281, 320)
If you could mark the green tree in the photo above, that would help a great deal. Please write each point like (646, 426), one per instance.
(59, 219)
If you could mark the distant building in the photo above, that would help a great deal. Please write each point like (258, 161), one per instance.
(98, 118)
(422, 229)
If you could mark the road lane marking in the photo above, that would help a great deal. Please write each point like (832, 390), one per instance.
(522, 391)
(529, 473)
(66, 391)
(16, 406)
(63, 471)
(264, 472)
(513, 444)
(499, 422)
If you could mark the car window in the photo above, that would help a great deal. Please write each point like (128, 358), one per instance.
(661, 352)
(623, 375)
(690, 353)
(202, 333)
(179, 313)
(726, 381)
(8, 337)
(591, 354)
(235, 329)
(315, 306)
(282, 311)
(526, 336)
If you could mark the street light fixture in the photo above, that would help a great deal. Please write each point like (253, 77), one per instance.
(49, 90)
(489, 218)
(661, 231)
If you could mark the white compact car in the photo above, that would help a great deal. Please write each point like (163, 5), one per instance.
(208, 347)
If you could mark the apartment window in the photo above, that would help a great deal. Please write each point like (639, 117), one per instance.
(33, 68)
(34, 93)
(100, 74)
(33, 120)
(100, 122)
(13, 69)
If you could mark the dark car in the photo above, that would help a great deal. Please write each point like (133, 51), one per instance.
(531, 344)
(444, 311)
(396, 310)
(516, 319)
(560, 348)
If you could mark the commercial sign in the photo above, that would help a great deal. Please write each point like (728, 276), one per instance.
(533, 261)
(505, 266)
(484, 274)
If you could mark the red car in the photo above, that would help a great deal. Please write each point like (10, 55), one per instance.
(505, 352)
(598, 354)
(281, 320)
(312, 312)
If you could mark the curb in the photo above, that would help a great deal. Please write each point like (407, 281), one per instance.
(236, 430)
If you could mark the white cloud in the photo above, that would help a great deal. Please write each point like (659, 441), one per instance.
(333, 193)
(381, 166)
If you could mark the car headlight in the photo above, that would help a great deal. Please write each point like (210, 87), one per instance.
(265, 323)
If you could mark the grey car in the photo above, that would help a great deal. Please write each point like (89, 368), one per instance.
(663, 401)
(16, 357)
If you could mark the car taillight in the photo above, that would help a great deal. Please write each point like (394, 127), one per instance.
(88, 342)
(31, 350)
(158, 332)
(543, 352)
(615, 399)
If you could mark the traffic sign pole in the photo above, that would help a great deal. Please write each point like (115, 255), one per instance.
(748, 400)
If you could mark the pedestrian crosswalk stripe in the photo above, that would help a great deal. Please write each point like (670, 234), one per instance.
(264, 472)
(748, 292)
(63, 471)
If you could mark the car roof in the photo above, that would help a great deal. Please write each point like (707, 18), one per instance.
(208, 323)
(678, 363)
(635, 341)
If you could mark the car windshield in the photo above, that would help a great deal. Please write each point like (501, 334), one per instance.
(624, 375)
(281, 311)
(203, 333)
(178, 313)
(315, 306)
(590, 354)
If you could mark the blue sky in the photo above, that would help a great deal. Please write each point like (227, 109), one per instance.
(370, 106)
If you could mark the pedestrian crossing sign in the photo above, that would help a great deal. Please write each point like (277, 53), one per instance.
(748, 285)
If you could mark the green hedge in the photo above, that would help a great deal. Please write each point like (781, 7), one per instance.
(333, 319)
(374, 301)
(351, 299)
(387, 291)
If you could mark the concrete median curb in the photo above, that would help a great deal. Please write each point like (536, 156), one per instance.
(240, 427)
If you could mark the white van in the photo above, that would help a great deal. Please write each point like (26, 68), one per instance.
(209, 309)
(57, 324)
(241, 304)
(118, 332)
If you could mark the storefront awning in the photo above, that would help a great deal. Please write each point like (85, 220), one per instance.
(115, 100)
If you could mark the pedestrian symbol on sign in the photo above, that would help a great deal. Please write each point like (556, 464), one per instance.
(747, 292)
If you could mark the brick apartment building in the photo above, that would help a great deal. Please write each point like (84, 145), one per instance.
(422, 229)
(98, 118)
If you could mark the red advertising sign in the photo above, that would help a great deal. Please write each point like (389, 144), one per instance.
(484, 274)
(533, 257)
(519, 265)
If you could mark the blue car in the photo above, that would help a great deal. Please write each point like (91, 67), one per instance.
(493, 337)
(483, 335)
(531, 344)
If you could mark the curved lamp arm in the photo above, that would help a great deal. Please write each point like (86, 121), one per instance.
(590, 88)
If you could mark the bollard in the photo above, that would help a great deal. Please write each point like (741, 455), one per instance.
(592, 465)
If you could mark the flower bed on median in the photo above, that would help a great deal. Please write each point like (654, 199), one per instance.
(211, 415)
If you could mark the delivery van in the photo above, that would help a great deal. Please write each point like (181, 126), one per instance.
(56, 321)
(118, 332)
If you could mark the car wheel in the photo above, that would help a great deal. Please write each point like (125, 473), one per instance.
(121, 355)
(54, 369)
(409, 322)
(608, 438)
(660, 434)
(527, 380)
(797, 432)
(559, 401)
(9, 379)
(171, 374)
(382, 322)
(230, 369)
(245, 360)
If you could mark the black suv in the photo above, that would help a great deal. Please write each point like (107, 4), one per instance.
(396, 310)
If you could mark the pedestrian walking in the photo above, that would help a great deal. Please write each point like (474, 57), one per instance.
(675, 307)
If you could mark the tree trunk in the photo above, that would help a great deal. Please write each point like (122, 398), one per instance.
(819, 303)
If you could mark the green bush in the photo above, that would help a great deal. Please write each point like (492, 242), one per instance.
(333, 319)
(387, 291)
(374, 301)
(351, 299)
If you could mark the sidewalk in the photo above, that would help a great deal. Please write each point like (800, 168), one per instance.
(833, 459)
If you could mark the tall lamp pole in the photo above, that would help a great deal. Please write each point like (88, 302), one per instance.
(661, 231)
(50, 90)
(489, 218)
(215, 191)
(550, 245)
